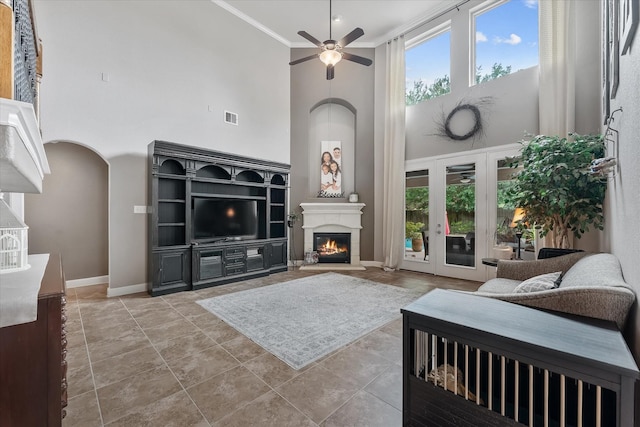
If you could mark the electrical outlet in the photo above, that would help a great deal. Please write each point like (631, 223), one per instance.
(140, 209)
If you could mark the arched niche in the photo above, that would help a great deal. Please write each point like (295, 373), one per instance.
(333, 120)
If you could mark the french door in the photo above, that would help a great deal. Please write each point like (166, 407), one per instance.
(450, 211)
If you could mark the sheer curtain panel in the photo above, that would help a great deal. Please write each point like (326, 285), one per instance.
(394, 146)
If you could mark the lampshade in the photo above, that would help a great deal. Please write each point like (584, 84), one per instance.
(518, 214)
(330, 57)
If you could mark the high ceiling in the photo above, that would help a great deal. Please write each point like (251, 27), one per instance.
(380, 19)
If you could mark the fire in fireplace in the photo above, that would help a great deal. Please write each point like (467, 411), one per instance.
(332, 247)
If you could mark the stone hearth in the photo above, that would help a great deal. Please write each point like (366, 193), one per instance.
(333, 218)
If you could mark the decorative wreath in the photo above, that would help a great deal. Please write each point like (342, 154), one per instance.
(477, 126)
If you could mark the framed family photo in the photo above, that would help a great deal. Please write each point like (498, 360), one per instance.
(330, 168)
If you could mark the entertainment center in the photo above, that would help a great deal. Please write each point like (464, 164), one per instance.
(216, 217)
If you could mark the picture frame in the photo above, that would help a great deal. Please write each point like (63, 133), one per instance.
(629, 17)
(605, 62)
(614, 48)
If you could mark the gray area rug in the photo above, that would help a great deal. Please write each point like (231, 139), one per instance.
(302, 320)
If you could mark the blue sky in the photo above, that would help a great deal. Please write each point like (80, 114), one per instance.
(506, 34)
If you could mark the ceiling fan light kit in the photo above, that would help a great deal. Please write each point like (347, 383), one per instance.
(331, 51)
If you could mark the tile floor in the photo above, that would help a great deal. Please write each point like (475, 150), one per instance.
(165, 361)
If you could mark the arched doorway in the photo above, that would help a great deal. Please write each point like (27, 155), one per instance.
(71, 216)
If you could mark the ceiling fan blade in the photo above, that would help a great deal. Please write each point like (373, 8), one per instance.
(306, 58)
(356, 58)
(310, 38)
(353, 35)
(330, 72)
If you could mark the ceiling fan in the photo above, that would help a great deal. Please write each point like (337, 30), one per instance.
(331, 51)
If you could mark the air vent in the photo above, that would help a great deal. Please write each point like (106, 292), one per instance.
(231, 118)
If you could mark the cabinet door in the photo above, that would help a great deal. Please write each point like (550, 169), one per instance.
(171, 271)
(208, 264)
(279, 256)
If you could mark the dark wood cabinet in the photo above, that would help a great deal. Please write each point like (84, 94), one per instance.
(33, 367)
(190, 243)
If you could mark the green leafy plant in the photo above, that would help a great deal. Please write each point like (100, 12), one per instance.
(413, 229)
(556, 188)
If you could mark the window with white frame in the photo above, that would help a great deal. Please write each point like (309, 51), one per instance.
(428, 65)
(505, 38)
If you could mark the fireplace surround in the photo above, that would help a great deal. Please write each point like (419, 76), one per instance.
(333, 218)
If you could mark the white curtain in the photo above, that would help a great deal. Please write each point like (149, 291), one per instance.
(556, 92)
(557, 67)
(394, 143)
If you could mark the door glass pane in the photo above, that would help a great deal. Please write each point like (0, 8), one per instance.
(460, 215)
(506, 235)
(417, 216)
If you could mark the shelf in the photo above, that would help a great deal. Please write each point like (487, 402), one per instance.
(171, 224)
(171, 176)
(227, 196)
(171, 200)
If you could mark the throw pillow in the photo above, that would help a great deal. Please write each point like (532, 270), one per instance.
(542, 282)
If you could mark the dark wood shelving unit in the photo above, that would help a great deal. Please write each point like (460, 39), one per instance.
(178, 176)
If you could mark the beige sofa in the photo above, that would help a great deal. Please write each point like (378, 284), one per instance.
(591, 285)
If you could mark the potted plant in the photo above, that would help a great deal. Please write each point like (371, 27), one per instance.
(413, 231)
(556, 188)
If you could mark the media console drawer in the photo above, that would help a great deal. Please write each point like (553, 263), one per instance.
(234, 252)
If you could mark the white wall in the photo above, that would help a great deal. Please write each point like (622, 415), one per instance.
(173, 68)
(622, 203)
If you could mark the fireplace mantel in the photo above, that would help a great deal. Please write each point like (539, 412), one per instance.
(333, 218)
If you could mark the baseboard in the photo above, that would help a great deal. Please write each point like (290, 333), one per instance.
(89, 281)
(377, 264)
(126, 290)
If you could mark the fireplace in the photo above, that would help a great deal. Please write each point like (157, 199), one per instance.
(337, 220)
(332, 247)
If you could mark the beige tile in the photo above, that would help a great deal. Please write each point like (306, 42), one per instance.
(77, 357)
(365, 410)
(98, 330)
(150, 318)
(206, 320)
(79, 380)
(221, 332)
(393, 328)
(272, 370)
(118, 343)
(116, 368)
(176, 410)
(75, 339)
(186, 345)
(83, 411)
(132, 394)
(359, 364)
(268, 410)
(243, 349)
(318, 392)
(139, 302)
(170, 330)
(189, 309)
(227, 392)
(388, 386)
(383, 344)
(103, 309)
(201, 366)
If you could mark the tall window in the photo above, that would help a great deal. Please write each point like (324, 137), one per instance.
(506, 38)
(428, 63)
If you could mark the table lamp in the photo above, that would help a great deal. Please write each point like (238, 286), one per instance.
(518, 214)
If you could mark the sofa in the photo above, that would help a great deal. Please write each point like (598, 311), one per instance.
(584, 284)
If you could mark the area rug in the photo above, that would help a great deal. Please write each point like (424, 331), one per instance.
(302, 320)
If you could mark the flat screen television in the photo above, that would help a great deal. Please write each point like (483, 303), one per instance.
(222, 218)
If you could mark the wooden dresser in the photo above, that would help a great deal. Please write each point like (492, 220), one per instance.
(33, 367)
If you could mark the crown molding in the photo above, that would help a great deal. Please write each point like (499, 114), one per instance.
(249, 20)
